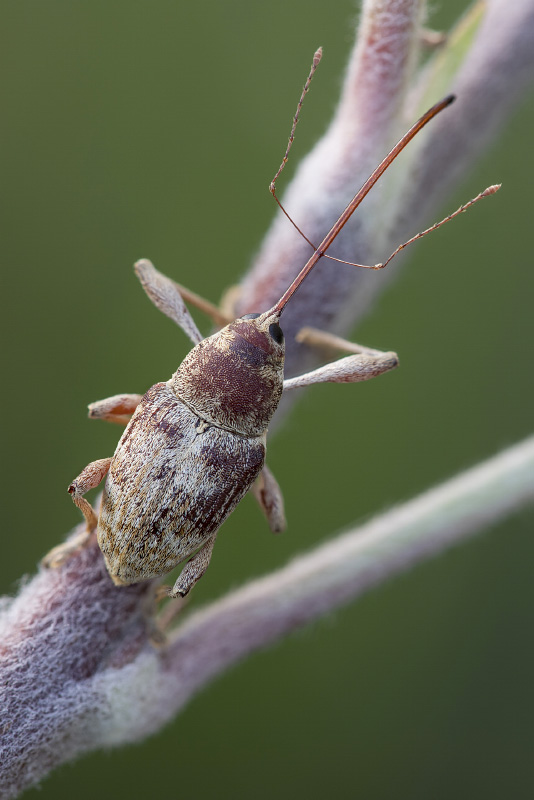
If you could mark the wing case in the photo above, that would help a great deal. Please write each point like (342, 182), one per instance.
(172, 482)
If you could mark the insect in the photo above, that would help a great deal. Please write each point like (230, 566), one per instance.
(195, 445)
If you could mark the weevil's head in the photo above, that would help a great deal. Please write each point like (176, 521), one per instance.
(234, 378)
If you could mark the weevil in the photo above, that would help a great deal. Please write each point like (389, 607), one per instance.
(195, 445)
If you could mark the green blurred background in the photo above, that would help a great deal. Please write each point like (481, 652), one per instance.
(137, 129)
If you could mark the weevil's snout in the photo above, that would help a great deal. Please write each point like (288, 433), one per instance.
(234, 379)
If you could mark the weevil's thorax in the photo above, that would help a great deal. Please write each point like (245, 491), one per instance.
(234, 378)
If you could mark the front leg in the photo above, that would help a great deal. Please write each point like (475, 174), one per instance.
(324, 340)
(169, 296)
(351, 369)
(365, 364)
(166, 296)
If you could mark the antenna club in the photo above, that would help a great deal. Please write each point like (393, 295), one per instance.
(449, 99)
(317, 56)
(491, 189)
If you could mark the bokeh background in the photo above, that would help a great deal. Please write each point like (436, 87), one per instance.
(137, 129)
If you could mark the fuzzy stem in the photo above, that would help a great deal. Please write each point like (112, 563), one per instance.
(67, 702)
(269, 608)
(347, 566)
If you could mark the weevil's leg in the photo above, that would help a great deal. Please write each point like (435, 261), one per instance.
(166, 617)
(269, 495)
(59, 554)
(229, 301)
(329, 341)
(169, 296)
(88, 479)
(166, 296)
(365, 364)
(218, 315)
(350, 369)
(118, 409)
(192, 572)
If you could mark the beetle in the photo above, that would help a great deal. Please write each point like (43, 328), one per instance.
(195, 444)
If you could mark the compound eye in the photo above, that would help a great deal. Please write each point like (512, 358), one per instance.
(251, 316)
(276, 332)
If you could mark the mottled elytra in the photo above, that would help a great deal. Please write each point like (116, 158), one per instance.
(195, 444)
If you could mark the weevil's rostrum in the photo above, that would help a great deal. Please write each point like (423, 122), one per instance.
(196, 444)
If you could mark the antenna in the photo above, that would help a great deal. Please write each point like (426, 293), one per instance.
(320, 251)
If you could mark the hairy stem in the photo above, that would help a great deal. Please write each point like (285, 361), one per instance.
(346, 567)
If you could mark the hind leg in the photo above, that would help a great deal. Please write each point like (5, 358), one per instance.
(191, 573)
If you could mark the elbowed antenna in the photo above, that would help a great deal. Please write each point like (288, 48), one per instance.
(355, 202)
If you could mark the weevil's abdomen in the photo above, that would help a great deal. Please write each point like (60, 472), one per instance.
(172, 482)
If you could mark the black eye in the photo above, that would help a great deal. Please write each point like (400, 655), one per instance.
(251, 316)
(276, 332)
